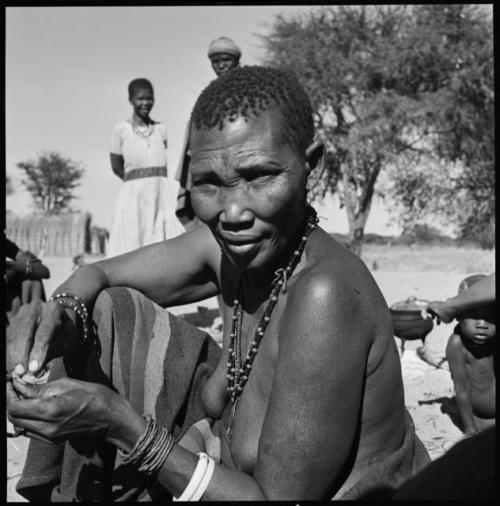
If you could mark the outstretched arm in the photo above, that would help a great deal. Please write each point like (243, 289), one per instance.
(173, 272)
(479, 294)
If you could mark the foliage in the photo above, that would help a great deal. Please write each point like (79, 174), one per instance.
(388, 83)
(423, 234)
(51, 181)
(460, 123)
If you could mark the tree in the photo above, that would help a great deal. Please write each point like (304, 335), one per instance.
(51, 180)
(377, 83)
(462, 93)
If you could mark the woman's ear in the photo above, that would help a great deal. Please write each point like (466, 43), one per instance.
(315, 158)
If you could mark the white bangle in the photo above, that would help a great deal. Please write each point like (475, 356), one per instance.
(205, 480)
(195, 480)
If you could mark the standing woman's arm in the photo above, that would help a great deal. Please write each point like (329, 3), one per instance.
(116, 153)
(117, 164)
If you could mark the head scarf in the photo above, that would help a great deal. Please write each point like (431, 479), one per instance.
(223, 45)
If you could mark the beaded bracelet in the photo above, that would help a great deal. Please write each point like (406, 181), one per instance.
(151, 449)
(78, 306)
(28, 269)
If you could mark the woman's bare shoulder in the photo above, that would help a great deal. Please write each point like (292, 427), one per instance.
(334, 270)
(336, 291)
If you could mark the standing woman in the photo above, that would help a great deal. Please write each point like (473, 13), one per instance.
(145, 209)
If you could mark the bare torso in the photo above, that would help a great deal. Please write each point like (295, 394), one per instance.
(481, 376)
(381, 414)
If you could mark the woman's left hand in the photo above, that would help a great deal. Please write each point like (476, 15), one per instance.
(61, 409)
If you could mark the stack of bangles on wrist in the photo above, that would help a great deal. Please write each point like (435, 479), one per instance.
(151, 449)
(73, 302)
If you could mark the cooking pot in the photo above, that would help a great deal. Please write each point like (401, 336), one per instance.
(407, 320)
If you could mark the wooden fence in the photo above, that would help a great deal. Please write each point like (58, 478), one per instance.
(57, 235)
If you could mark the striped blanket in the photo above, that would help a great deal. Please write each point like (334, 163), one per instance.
(155, 360)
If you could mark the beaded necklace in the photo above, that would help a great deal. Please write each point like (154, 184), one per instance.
(237, 370)
(143, 130)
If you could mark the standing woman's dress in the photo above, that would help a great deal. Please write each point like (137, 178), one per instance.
(145, 208)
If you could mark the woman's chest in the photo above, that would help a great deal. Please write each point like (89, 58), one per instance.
(143, 151)
(243, 419)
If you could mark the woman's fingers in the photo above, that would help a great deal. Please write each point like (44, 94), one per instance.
(26, 390)
(53, 318)
(19, 407)
(20, 335)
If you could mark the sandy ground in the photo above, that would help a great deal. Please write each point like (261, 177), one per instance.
(428, 391)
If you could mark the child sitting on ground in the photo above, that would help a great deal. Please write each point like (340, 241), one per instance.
(470, 357)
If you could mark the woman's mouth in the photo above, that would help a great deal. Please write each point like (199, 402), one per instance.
(240, 244)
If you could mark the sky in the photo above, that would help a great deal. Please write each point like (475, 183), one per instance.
(66, 76)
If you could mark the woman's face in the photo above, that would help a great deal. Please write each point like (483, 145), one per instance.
(223, 62)
(248, 186)
(142, 101)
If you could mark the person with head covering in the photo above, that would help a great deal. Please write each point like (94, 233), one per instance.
(144, 211)
(480, 293)
(224, 56)
(471, 360)
(305, 399)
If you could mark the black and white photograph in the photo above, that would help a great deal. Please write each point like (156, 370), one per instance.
(250, 252)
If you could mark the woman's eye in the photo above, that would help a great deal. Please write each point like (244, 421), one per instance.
(258, 176)
(203, 184)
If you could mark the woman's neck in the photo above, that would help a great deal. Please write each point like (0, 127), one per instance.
(141, 121)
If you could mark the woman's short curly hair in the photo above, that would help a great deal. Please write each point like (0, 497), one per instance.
(250, 90)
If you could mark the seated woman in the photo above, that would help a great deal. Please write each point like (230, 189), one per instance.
(306, 399)
(23, 277)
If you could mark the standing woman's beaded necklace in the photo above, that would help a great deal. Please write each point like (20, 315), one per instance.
(237, 370)
(143, 131)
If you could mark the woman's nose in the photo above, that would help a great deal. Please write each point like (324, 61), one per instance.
(236, 213)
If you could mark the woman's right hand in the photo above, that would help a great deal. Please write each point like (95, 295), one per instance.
(37, 333)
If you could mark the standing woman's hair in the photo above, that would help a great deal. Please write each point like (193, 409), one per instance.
(139, 83)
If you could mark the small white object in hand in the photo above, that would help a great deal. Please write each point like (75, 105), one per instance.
(31, 379)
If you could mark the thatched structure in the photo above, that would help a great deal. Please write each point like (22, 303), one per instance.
(67, 234)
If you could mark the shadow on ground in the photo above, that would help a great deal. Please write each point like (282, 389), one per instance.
(448, 407)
